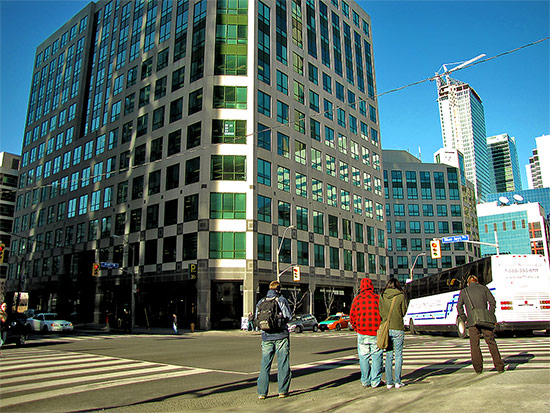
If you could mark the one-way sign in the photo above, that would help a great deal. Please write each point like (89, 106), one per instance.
(458, 238)
(109, 265)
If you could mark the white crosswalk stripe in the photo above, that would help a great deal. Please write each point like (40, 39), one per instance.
(35, 374)
(91, 337)
(453, 355)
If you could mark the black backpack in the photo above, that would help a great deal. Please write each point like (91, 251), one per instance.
(268, 318)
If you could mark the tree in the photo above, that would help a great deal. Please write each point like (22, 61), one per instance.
(296, 298)
(328, 297)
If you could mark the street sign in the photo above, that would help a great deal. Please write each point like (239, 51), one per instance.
(457, 238)
(109, 265)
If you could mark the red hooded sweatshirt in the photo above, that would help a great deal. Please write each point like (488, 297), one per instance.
(364, 314)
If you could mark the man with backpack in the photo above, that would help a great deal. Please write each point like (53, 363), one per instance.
(272, 316)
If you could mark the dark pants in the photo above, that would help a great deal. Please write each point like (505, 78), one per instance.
(475, 349)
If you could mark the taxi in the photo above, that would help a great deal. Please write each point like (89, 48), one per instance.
(336, 322)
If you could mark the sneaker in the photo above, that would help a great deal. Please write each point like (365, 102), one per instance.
(283, 395)
(398, 385)
(261, 396)
(389, 386)
(381, 384)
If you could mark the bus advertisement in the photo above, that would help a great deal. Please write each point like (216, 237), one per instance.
(520, 284)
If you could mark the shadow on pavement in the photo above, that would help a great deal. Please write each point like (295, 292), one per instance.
(437, 369)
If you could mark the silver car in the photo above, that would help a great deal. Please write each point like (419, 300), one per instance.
(303, 322)
(48, 322)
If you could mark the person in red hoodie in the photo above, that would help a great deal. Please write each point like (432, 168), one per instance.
(365, 319)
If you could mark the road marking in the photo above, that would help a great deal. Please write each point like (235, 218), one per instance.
(5, 402)
(77, 373)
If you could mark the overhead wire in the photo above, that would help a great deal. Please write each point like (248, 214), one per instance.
(294, 122)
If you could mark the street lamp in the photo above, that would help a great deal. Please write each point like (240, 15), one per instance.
(281, 246)
(132, 274)
(414, 263)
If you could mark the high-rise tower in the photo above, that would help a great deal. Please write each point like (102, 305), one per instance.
(504, 163)
(538, 171)
(181, 139)
(463, 128)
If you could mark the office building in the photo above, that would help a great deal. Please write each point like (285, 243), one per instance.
(463, 127)
(517, 228)
(9, 171)
(525, 196)
(192, 143)
(426, 201)
(538, 169)
(504, 163)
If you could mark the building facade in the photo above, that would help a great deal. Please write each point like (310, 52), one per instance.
(9, 172)
(538, 173)
(504, 163)
(193, 143)
(518, 228)
(426, 201)
(540, 195)
(463, 127)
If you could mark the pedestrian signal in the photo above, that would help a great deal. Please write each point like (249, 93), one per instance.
(296, 273)
(435, 247)
(2, 252)
(95, 269)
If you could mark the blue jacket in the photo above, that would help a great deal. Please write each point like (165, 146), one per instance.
(285, 310)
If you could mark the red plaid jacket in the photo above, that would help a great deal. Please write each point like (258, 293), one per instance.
(364, 314)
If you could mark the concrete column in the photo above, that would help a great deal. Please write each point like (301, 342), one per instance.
(204, 295)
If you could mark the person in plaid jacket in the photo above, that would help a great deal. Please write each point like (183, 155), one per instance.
(365, 319)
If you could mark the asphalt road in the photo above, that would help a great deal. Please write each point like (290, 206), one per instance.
(217, 371)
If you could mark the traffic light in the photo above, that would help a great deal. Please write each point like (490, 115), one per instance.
(2, 252)
(296, 273)
(95, 269)
(435, 246)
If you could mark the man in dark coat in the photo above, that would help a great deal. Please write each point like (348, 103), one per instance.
(365, 319)
(479, 296)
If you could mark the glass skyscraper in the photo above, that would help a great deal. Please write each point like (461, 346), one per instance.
(504, 163)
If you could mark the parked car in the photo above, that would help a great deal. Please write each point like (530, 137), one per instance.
(30, 312)
(46, 322)
(15, 329)
(335, 322)
(303, 322)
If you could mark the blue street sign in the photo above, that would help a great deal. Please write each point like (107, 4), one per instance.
(109, 265)
(458, 238)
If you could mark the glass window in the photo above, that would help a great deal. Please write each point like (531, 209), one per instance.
(228, 168)
(264, 172)
(227, 245)
(227, 206)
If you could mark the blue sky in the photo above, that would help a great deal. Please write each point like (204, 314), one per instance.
(411, 40)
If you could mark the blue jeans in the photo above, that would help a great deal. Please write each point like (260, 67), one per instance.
(282, 349)
(396, 346)
(369, 353)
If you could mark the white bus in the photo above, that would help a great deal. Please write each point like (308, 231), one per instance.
(520, 284)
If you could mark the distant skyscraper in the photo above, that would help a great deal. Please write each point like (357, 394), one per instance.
(463, 128)
(505, 165)
(538, 173)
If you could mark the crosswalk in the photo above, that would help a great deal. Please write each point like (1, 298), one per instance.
(38, 373)
(33, 374)
(427, 355)
(50, 339)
